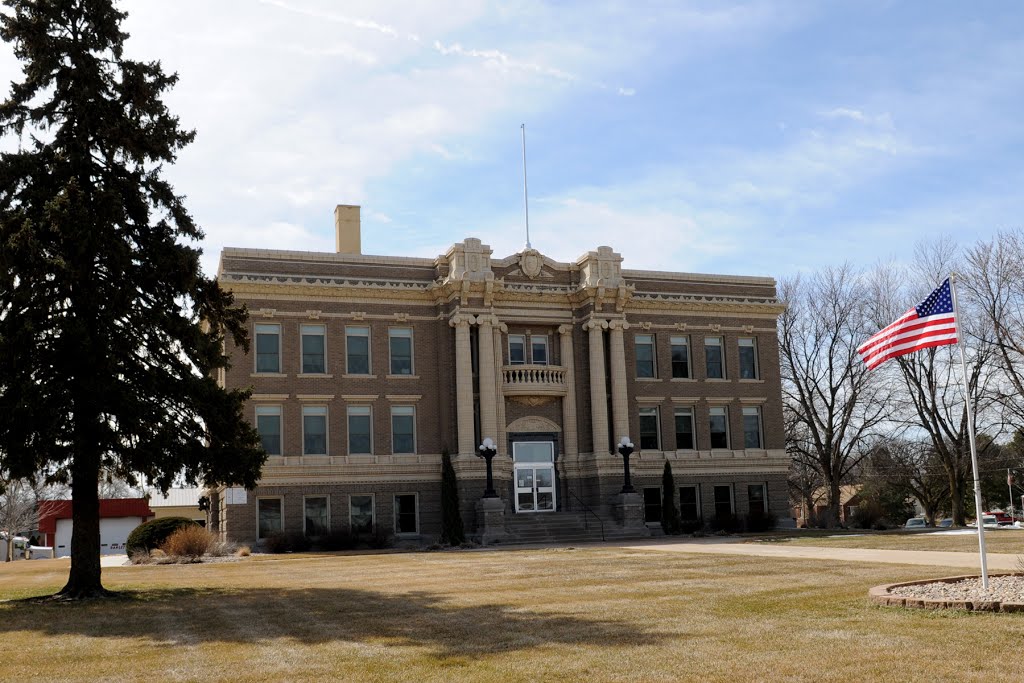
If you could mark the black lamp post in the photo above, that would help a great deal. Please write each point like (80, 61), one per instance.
(487, 451)
(625, 450)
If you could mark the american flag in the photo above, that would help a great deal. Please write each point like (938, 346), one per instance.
(930, 323)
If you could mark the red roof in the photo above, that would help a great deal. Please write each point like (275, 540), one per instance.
(52, 510)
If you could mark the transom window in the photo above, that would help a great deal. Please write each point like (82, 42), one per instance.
(268, 348)
(313, 343)
(314, 430)
(680, 357)
(645, 355)
(748, 358)
(714, 362)
(752, 427)
(719, 423)
(400, 344)
(357, 350)
(360, 440)
(268, 424)
(403, 429)
(649, 432)
(684, 429)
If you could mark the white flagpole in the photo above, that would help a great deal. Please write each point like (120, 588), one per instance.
(970, 433)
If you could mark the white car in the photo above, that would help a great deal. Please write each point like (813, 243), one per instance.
(989, 521)
(916, 523)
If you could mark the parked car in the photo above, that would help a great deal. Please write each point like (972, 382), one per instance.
(946, 523)
(916, 523)
(989, 521)
(1002, 518)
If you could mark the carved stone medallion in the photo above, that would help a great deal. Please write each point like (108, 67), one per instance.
(530, 262)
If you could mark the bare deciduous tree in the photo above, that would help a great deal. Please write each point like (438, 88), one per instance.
(833, 402)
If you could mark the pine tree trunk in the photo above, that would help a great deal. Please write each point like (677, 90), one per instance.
(84, 577)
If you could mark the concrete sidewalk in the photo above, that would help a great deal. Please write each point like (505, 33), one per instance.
(931, 558)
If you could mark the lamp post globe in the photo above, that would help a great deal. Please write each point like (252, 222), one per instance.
(625, 450)
(487, 451)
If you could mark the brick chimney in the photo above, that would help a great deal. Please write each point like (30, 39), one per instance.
(346, 227)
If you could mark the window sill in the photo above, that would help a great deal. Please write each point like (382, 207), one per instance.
(267, 374)
(309, 375)
(648, 379)
(717, 379)
(402, 376)
(683, 379)
(346, 376)
(750, 381)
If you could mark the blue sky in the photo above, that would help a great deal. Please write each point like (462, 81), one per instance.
(747, 138)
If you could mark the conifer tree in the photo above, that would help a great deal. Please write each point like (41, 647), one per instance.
(671, 524)
(452, 531)
(110, 334)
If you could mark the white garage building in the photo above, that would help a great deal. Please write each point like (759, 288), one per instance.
(118, 518)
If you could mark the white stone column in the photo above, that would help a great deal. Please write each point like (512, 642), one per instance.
(464, 383)
(569, 423)
(499, 380)
(488, 387)
(617, 359)
(598, 398)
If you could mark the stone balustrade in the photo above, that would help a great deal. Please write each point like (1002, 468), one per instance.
(533, 379)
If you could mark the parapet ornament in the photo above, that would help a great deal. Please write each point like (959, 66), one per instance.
(469, 261)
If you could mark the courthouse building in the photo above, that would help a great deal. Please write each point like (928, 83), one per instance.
(365, 368)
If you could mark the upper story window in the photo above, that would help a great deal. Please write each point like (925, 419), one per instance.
(314, 430)
(714, 361)
(313, 345)
(650, 437)
(400, 344)
(748, 358)
(684, 429)
(752, 427)
(357, 350)
(680, 357)
(645, 355)
(360, 439)
(516, 349)
(538, 349)
(268, 424)
(403, 429)
(268, 348)
(719, 424)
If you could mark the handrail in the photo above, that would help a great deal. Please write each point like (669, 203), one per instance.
(587, 509)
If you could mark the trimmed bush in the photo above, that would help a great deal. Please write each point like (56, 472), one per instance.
(452, 531)
(191, 542)
(727, 524)
(153, 533)
(671, 524)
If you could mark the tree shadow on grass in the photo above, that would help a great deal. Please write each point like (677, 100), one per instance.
(314, 616)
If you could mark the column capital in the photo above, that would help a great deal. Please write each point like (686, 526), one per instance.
(565, 330)
(488, 319)
(462, 320)
(595, 325)
(618, 325)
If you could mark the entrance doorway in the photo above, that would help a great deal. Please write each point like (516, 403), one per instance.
(534, 463)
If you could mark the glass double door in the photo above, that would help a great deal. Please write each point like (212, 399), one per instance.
(534, 476)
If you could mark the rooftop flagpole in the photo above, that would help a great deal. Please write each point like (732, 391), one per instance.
(970, 433)
(526, 200)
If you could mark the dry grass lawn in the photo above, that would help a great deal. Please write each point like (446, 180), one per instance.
(592, 614)
(1007, 541)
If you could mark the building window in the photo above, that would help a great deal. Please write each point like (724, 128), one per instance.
(684, 429)
(360, 441)
(314, 430)
(649, 429)
(268, 348)
(400, 343)
(361, 513)
(758, 499)
(680, 357)
(317, 516)
(752, 427)
(406, 521)
(268, 424)
(270, 512)
(645, 355)
(652, 505)
(516, 349)
(714, 362)
(748, 358)
(357, 350)
(539, 349)
(723, 501)
(313, 359)
(403, 429)
(689, 503)
(719, 427)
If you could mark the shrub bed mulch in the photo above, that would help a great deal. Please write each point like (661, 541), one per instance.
(1004, 594)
